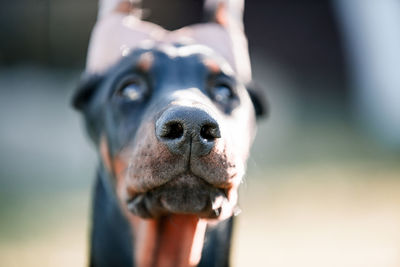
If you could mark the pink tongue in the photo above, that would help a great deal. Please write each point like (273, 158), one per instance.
(173, 241)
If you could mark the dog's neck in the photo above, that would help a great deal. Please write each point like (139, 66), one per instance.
(172, 241)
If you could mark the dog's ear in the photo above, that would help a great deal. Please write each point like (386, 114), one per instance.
(86, 88)
(259, 99)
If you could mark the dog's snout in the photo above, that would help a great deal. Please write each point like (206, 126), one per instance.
(187, 130)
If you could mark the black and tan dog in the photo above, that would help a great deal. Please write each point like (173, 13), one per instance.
(173, 123)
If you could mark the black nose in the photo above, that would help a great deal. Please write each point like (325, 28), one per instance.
(187, 130)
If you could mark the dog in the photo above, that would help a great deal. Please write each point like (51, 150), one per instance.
(173, 122)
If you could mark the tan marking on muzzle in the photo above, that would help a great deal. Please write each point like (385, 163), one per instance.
(115, 165)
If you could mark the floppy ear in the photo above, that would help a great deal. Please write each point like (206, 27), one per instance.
(259, 99)
(86, 88)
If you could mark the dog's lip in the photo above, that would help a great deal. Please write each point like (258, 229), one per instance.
(211, 209)
(212, 213)
(165, 204)
(132, 193)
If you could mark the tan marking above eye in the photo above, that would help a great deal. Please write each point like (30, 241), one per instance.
(212, 65)
(145, 61)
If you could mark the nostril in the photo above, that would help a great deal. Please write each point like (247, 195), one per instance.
(172, 130)
(210, 132)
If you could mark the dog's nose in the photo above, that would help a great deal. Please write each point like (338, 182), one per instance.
(187, 130)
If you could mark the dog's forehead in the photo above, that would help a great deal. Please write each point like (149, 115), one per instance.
(182, 50)
(148, 56)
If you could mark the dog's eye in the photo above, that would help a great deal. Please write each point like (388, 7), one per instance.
(133, 89)
(222, 94)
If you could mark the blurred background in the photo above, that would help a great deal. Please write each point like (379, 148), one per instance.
(323, 182)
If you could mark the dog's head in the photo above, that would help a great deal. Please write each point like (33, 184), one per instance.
(174, 126)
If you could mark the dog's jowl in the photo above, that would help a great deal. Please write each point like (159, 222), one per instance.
(173, 124)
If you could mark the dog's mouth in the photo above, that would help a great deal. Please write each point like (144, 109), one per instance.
(186, 194)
